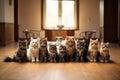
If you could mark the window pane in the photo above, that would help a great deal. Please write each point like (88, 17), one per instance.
(51, 13)
(68, 13)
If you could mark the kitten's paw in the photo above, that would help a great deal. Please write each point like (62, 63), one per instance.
(63, 60)
(91, 60)
(37, 60)
(33, 60)
(106, 61)
(45, 60)
(77, 59)
(54, 60)
(51, 60)
(102, 61)
(95, 60)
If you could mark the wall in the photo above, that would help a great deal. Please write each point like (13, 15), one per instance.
(89, 16)
(101, 13)
(2, 11)
(9, 11)
(6, 22)
(6, 11)
(29, 15)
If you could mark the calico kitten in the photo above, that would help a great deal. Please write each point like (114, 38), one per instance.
(52, 53)
(70, 46)
(21, 54)
(33, 50)
(43, 52)
(80, 50)
(104, 52)
(62, 53)
(93, 50)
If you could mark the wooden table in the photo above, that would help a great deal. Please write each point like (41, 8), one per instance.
(52, 34)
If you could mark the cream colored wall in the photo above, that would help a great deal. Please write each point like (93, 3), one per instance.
(9, 12)
(2, 11)
(89, 16)
(101, 13)
(6, 11)
(29, 15)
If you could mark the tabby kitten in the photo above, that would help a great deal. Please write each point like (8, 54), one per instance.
(43, 52)
(52, 53)
(93, 50)
(62, 53)
(80, 50)
(21, 54)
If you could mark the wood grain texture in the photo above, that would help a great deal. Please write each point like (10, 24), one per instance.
(59, 71)
(6, 33)
(52, 34)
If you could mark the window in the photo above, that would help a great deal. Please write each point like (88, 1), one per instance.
(59, 12)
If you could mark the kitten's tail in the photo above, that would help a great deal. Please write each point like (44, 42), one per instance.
(8, 59)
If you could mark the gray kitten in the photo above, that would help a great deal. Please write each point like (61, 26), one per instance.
(62, 53)
(43, 52)
(21, 54)
(52, 53)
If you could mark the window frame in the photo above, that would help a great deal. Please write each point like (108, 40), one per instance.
(43, 15)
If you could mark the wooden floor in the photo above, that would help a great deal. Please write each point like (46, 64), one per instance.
(59, 71)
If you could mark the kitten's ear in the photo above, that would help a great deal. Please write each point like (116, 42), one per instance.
(45, 38)
(76, 39)
(83, 40)
(91, 40)
(102, 43)
(38, 38)
(31, 38)
(107, 43)
(25, 40)
(97, 39)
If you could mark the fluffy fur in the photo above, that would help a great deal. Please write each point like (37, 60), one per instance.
(21, 54)
(93, 50)
(80, 50)
(52, 52)
(62, 53)
(70, 46)
(104, 52)
(43, 52)
(33, 50)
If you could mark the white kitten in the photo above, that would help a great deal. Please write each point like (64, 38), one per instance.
(33, 50)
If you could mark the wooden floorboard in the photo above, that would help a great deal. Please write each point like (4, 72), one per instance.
(59, 71)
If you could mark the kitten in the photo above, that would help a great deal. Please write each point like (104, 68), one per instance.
(70, 46)
(93, 50)
(62, 53)
(80, 50)
(21, 54)
(43, 52)
(104, 52)
(33, 50)
(52, 52)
